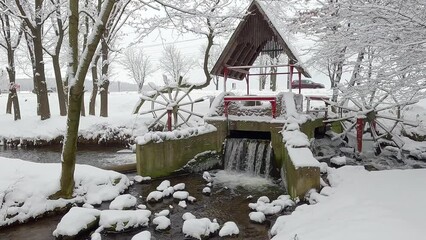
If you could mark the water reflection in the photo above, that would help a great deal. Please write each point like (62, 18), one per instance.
(95, 155)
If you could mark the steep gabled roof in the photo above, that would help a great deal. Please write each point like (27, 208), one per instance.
(258, 28)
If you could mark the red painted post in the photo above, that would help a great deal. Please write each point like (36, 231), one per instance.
(169, 120)
(291, 75)
(248, 84)
(359, 133)
(274, 108)
(225, 77)
(300, 82)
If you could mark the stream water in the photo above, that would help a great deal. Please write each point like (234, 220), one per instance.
(231, 193)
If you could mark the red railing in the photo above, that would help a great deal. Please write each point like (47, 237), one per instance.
(271, 99)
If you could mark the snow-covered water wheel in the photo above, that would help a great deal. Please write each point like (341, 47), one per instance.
(171, 106)
(368, 116)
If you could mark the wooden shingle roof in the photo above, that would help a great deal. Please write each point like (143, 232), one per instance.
(249, 39)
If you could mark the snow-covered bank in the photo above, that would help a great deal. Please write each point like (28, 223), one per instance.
(25, 188)
(361, 205)
(119, 127)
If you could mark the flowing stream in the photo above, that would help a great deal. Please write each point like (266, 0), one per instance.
(231, 193)
(253, 156)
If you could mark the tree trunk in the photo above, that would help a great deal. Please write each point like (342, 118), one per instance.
(104, 80)
(13, 95)
(32, 58)
(59, 85)
(92, 103)
(73, 119)
(206, 60)
(82, 108)
(40, 76)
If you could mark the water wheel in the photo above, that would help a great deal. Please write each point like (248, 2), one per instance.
(171, 106)
(377, 113)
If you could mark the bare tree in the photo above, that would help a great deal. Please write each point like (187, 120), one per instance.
(34, 19)
(138, 65)
(208, 18)
(76, 74)
(174, 63)
(58, 26)
(10, 43)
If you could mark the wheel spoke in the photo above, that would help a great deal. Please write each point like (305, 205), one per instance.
(405, 122)
(397, 140)
(189, 112)
(152, 110)
(186, 93)
(146, 98)
(157, 120)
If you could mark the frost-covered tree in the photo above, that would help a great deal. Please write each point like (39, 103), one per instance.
(379, 44)
(78, 68)
(174, 63)
(138, 65)
(34, 14)
(11, 34)
(53, 41)
(209, 18)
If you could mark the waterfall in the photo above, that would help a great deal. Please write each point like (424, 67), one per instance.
(248, 155)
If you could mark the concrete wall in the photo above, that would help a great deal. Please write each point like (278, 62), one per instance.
(162, 159)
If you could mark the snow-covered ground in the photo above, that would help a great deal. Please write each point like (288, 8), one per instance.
(120, 121)
(361, 205)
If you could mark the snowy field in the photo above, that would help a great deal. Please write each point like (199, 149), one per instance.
(357, 205)
(121, 119)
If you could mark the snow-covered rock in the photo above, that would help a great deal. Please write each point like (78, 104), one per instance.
(258, 217)
(95, 236)
(179, 187)
(141, 179)
(198, 228)
(181, 195)
(163, 185)
(119, 220)
(141, 206)
(182, 204)
(168, 192)
(154, 196)
(165, 212)
(207, 191)
(229, 229)
(264, 199)
(75, 221)
(267, 208)
(86, 205)
(144, 235)
(338, 161)
(207, 177)
(323, 167)
(121, 202)
(191, 199)
(162, 223)
(188, 215)
(314, 197)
